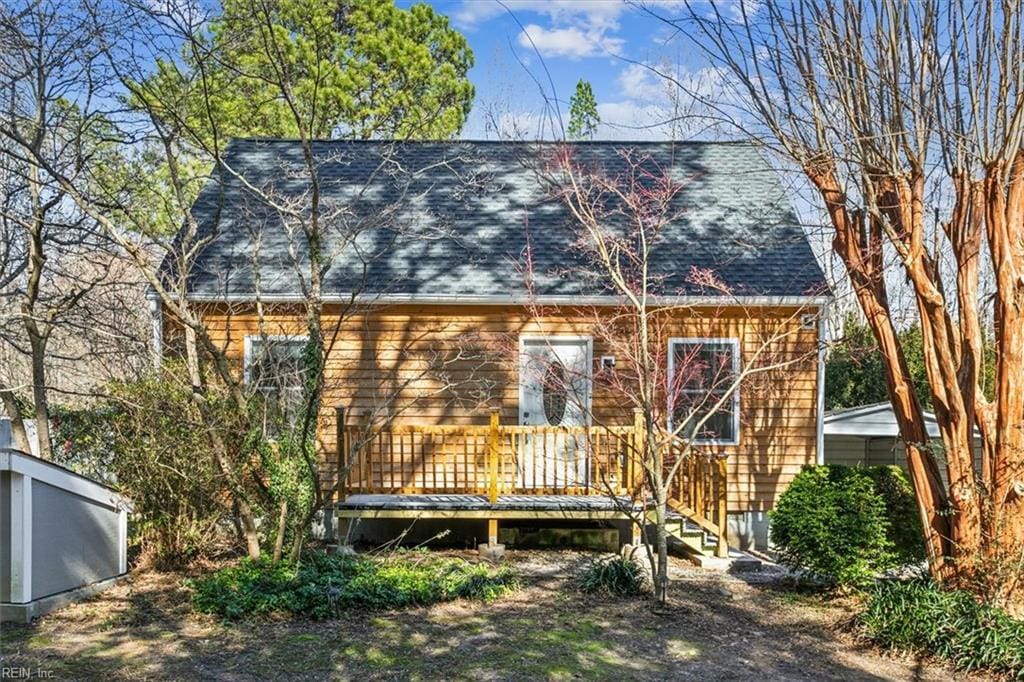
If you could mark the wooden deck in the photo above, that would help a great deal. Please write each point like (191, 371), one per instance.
(509, 471)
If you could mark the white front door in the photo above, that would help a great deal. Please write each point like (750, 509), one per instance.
(554, 389)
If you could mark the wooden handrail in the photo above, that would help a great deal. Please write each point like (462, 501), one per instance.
(700, 492)
(482, 458)
(341, 435)
(722, 548)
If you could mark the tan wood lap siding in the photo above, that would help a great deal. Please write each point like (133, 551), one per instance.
(443, 364)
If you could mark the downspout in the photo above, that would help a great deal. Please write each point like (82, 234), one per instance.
(822, 348)
(156, 312)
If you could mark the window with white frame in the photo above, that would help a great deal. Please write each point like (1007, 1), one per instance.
(703, 399)
(275, 368)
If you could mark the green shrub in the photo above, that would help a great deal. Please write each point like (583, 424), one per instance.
(147, 438)
(893, 485)
(919, 617)
(616, 575)
(323, 585)
(832, 524)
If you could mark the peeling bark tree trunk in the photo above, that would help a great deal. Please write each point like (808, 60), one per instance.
(859, 244)
(1004, 192)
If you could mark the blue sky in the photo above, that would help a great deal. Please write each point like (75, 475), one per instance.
(593, 39)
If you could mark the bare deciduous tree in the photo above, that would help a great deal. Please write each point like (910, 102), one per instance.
(684, 395)
(62, 281)
(164, 160)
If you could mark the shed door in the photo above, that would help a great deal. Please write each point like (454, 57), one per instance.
(554, 377)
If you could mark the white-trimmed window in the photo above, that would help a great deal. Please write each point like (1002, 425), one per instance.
(275, 366)
(701, 373)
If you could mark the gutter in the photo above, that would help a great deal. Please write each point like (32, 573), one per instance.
(493, 299)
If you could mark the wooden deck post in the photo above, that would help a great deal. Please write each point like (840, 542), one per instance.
(493, 447)
(339, 431)
(722, 493)
(639, 445)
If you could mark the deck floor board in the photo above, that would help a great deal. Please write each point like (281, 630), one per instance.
(480, 502)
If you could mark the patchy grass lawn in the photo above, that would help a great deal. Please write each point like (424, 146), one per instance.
(716, 627)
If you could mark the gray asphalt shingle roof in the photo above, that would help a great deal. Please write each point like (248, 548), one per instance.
(450, 219)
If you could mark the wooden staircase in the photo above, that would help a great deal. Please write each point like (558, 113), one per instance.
(698, 505)
(690, 537)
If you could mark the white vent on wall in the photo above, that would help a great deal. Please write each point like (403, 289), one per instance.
(808, 321)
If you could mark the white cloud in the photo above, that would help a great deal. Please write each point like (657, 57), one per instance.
(651, 106)
(631, 120)
(574, 28)
(638, 81)
(597, 13)
(572, 42)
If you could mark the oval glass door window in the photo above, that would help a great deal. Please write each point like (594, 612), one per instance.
(554, 387)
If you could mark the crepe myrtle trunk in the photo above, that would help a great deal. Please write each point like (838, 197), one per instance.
(1004, 191)
(858, 242)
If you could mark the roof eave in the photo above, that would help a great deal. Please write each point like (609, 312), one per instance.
(496, 299)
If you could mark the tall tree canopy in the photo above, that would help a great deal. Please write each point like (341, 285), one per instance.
(855, 370)
(357, 69)
(583, 116)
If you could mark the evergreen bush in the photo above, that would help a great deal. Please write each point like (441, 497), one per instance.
(832, 524)
(616, 575)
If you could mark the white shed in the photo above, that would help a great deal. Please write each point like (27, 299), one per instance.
(62, 536)
(868, 435)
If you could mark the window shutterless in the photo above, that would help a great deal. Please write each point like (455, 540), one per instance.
(702, 373)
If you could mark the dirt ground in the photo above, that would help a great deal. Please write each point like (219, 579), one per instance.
(717, 626)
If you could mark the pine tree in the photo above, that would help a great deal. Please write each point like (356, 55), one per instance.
(583, 116)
